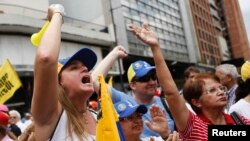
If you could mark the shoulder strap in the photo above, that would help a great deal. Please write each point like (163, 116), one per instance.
(92, 111)
(237, 119)
(166, 107)
(51, 137)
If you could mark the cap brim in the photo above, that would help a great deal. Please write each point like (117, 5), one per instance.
(86, 56)
(139, 108)
(144, 71)
(4, 108)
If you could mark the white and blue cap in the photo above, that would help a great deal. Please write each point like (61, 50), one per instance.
(126, 109)
(138, 69)
(85, 55)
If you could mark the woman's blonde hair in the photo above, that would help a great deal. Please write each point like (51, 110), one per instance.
(75, 122)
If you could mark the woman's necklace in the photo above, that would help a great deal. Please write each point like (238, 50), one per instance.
(85, 117)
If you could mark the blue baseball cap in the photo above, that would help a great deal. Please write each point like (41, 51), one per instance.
(85, 55)
(125, 108)
(138, 69)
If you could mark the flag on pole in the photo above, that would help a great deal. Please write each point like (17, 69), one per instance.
(110, 81)
(108, 128)
(9, 81)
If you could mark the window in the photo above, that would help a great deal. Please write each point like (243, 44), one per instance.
(135, 14)
(143, 17)
(141, 7)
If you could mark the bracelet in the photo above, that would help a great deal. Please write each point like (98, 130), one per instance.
(61, 15)
(58, 8)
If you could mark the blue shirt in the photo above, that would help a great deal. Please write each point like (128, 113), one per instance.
(118, 96)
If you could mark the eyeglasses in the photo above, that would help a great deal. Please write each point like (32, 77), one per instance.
(214, 90)
(146, 78)
(13, 117)
(132, 117)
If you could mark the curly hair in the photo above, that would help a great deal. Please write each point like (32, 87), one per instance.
(193, 89)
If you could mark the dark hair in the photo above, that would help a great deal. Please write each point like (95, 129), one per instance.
(4, 132)
(190, 70)
(243, 89)
(193, 89)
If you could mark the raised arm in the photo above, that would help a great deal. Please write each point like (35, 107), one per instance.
(176, 102)
(45, 106)
(104, 66)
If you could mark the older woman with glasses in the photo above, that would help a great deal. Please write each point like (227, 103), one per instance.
(205, 94)
(130, 117)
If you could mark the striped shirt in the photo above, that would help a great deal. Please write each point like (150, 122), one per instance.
(197, 127)
(231, 96)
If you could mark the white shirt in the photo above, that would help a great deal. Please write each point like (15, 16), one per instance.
(61, 133)
(7, 138)
(242, 107)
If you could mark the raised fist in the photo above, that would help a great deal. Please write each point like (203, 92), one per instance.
(55, 8)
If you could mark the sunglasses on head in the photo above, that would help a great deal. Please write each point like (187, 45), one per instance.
(146, 78)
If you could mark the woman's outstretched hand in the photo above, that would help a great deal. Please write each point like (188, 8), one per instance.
(145, 34)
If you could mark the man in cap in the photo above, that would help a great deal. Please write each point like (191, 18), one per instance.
(142, 81)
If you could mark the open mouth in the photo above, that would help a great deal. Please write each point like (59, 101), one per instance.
(86, 79)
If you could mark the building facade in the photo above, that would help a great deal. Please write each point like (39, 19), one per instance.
(234, 29)
(220, 32)
(164, 16)
(20, 19)
(205, 32)
(191, 32)
(168, 18)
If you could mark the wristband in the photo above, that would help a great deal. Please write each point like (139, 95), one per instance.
(58, 8)
(61, 15)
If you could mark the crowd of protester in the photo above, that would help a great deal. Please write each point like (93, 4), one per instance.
(61, 109)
